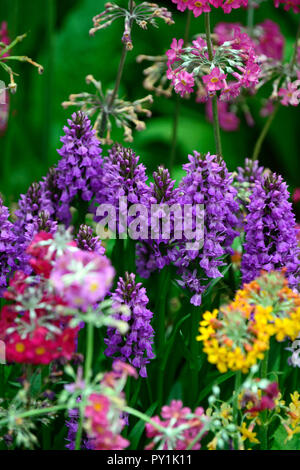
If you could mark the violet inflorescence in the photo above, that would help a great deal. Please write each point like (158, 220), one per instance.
(208, 182)
(136, 346)
(270, 231)
(79, 170)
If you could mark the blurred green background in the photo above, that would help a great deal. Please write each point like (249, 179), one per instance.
(58, 38)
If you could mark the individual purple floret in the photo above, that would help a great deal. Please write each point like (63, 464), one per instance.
(208, 182)
(270, 232)
(10, 252)
(86, 240)
(80, 169)
(159, 251)
(72, 425)
(250, 172)
(30, 205)
(136, 346)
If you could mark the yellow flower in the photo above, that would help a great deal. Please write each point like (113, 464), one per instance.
(247, 433)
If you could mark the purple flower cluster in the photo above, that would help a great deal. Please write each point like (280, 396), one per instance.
(123, 175)
(157, 253)
(270, 231)
(35, 212)
(87, 242)
(79, 172)
(136, 346)
(10, 253)
(208, 182)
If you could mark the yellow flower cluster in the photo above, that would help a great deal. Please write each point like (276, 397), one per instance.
(272, 289)
(292, 425)
(237, 335)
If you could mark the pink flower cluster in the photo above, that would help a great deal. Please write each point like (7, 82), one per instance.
(267, 39)
(290, 94)
(294, 4)
(175, 416)
(239, 55)
(104, 421)
(204, 6)
(32, 330)
(82, 278)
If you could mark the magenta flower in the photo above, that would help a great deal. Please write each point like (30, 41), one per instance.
(294, 4)
(215, 80)
(204, 6)
(82, 278)
(175, 50)
(291, 94)
(184, 83)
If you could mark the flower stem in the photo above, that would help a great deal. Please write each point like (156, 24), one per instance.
(194, 322)
(216, 125)
(160, 312)
(33, 413)
(116, 87)
(264, 132)
(178, 102)
(250, 18)
(144, 417)
(237, 386)
(87, 374)
(264, 428)
(267, 125)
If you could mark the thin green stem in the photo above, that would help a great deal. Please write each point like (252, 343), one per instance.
(264, 427)
(216, 125)
(178, 101)
(113, 96)
(160, 312)
(237, 386)
(144, 417)
(33, 413)
(294, 57)
(250, 18)
(87, 374)
(48, 78)
(264, 132)
(194, 323)
(268, 123)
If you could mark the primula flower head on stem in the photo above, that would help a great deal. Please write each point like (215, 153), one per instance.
(82, 278)
(272, 290)
(124, 113)
(5, 57)
(104, 412)
(181, 425)
(142, 14)
(288, 4)
(233, 67)
(204, 6)
(32, 327)
(235, 337)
